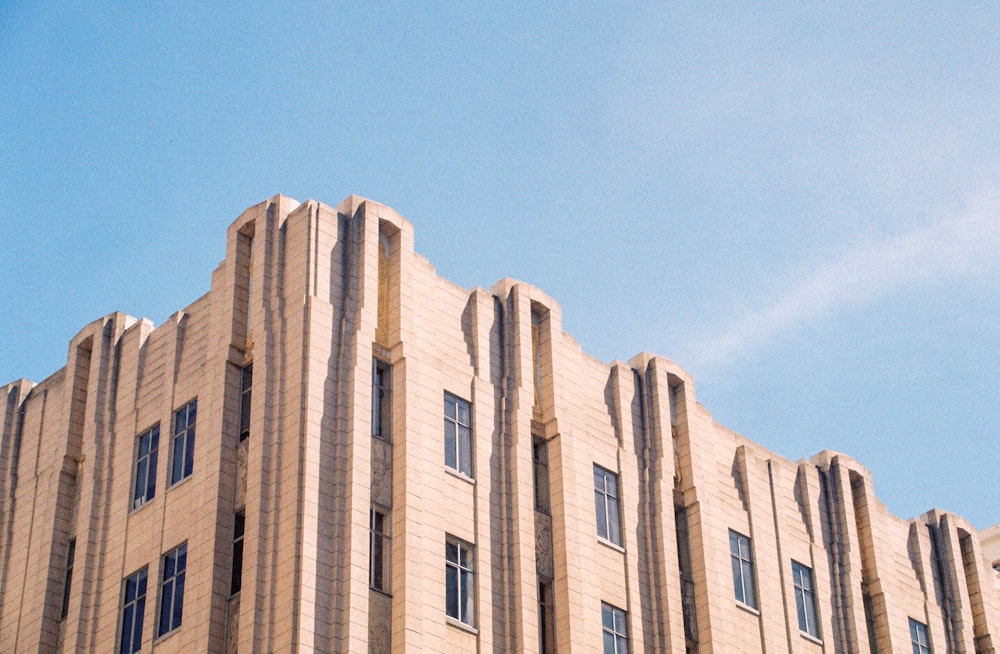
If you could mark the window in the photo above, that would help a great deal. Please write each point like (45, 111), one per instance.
(173, 564)
(546, 616)
(460, 581)
(236, 575)
(918, 637)
(144, 485)
(614, 622)
(246, 388)
(381, 400)
(182, 447)
(133, 612)
(68, 578)
(379, 549)
(609, 525)
(457, 434)
(540, 463)
(743, 581)
(805, 599)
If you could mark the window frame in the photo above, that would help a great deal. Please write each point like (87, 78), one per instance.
(246, 400)
(67, 577)
(380, 549)
(920, 637)
(804, 583)
(614, 626)
(170, 616)
(540, 474)
(744, 577)
(458, 445)
(144, 485)
(546, 615)
(607, 506)
(460, 573)
(236, 560)
(131, 626)
(182, 442)
(381, 400)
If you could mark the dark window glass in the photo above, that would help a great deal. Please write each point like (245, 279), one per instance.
(460, 581)
(805, 598)
(146, 448)
(381, 400)
(743, 579)
(236, 576)
(246, 389)
(133, 612)
(614, 624)
(68, 578)
(174, 564)
(182, 446)
(380, 549)
(609, 526)
(458, 434)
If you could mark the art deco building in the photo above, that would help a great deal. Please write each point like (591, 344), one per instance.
(337, 450)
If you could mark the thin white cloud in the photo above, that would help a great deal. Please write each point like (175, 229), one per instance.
(965, 244)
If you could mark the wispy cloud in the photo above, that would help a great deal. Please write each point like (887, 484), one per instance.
(964, 244)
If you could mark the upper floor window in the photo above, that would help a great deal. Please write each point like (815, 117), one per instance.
(133, 612)
(182, 443)
(918, 637)
(379, 549)
(614, 624)
(236, 574)
(246, 389)
(609, 526)
(743, 577)
(68, 578)
(458, 434)
(460, 581)
(144, 483)
(540, 468)
(381, 400)
(174, 566)
(805, 599)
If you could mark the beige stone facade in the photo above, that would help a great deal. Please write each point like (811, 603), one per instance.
(336, 450)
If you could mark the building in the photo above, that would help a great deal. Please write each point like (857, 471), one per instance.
(336, 450)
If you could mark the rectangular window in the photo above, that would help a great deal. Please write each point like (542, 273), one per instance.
(68, 578)
(133, 612)
(805, 599)
(246, 391)
(918, 637)
(379, 549)
(381, 400)
(609, 526)
(460, 581)
(182, 444)
(458, 434)
(236, 575)
(173, 564)
(743, 580)
(540, 463)
(546, 616)
(614, 623)
(146, 448)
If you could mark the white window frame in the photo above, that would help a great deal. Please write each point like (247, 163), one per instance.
(744, 579)
(458, 454)
(805, 599)
(460, 581)
(144, 467)
(607, 505)
(614, 629)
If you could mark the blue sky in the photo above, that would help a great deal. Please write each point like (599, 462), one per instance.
(801, 206)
